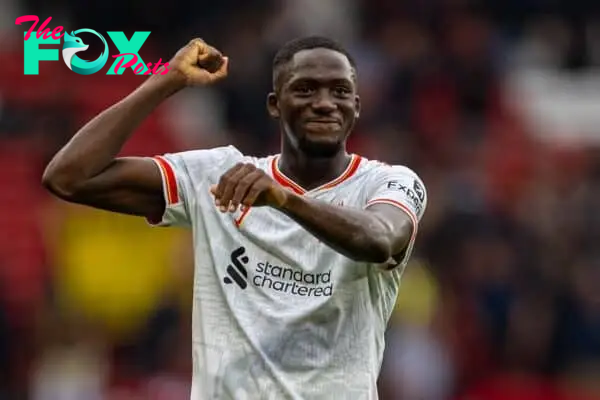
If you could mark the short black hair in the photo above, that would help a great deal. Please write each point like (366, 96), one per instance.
(289, 49)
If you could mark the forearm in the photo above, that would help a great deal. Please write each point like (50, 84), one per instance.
(96, 144)
(358, 234)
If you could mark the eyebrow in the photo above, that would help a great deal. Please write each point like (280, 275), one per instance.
(302, 79)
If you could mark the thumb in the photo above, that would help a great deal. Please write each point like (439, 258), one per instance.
(198, 76)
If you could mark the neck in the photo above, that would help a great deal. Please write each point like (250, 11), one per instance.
(311, 172)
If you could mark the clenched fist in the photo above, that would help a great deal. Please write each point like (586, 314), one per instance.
(196, 64)
(247, 186)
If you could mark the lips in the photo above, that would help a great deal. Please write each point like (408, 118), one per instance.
(323, 121)
(323, 124)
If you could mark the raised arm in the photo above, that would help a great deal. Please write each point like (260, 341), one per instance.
(86, 170)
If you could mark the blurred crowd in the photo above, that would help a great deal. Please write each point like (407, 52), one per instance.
(494, 103)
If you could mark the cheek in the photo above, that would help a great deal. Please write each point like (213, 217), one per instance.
(349, 114)
(292, 114)
(290, 118)
(284, 114)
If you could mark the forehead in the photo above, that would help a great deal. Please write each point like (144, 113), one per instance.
(321, 64)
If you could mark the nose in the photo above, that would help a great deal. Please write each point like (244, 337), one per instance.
(323, 102)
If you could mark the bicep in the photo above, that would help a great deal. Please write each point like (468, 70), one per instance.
(130, 185)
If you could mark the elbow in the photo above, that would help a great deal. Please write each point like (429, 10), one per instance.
(377, 251)
(387, 241)
(377, 244)
(58, 185)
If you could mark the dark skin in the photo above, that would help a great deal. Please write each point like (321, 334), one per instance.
(87, 171)
(316, 105)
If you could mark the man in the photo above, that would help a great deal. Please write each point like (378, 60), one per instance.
(298, 256)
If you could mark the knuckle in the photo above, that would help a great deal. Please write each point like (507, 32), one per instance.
(265, 180)
(248, 180)
(253, 190)
(197, 42)
(259, 187)
(231, 171)
(213, 51)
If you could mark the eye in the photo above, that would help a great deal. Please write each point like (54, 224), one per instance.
(303, 90)
(342, 91)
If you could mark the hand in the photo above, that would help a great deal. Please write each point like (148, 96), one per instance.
(246, 185)
(197, 64)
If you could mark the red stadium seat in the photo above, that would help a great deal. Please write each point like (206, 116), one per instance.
(22, 254)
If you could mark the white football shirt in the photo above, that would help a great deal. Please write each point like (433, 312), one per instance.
(277, 313)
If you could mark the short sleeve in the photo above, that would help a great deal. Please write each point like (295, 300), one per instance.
(181, 173)
(400, 187)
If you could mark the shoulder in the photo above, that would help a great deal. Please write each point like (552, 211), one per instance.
(215, 161)
(214, 154)
(395, 182)
(380, 169)
(194, 161)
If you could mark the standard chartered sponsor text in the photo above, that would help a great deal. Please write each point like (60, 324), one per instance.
(292, 281)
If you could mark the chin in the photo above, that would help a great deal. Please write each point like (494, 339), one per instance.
(321, 147)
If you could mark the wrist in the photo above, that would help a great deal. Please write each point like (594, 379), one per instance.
(164, 86)
(289, 202)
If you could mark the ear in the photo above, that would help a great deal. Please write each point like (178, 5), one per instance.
(273, 105)
(357, 106)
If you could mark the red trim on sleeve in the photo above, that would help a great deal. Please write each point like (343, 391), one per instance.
(172, 193)
(396, 203)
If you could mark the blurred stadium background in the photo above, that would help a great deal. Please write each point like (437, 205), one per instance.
(495, 104)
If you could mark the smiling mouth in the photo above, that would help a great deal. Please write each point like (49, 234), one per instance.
(323, 127)
(323, 122)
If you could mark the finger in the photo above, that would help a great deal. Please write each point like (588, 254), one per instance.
(256, 190)
(218, 191)
(243, 186)
(200, 45)
(209, 53)
(194, 48)
(230, 187)
(201, 75)
(211, 60)
(221, 72)
(196, 41)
